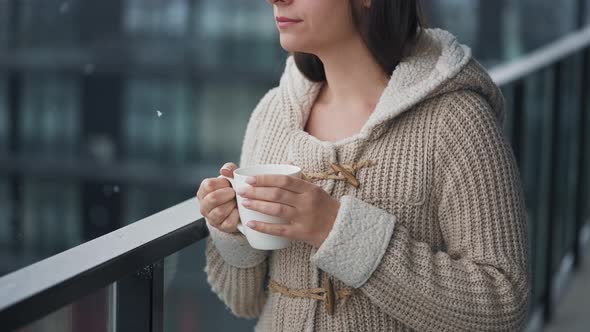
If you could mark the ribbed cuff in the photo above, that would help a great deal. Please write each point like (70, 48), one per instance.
(358, 240)
(235, 249)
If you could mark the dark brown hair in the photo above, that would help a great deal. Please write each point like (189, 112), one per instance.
(388, 28)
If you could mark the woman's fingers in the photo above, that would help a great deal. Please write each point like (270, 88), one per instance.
(291, 183)
(210, 185)
(230, 224)
(284, 230)
(219, 213)
(228, 169)
(270, 194)
(216, 198)
(270, 208)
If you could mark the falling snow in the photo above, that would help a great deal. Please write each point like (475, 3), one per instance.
(89, 69)
(159, 113)
(64, 7)
(116, 189)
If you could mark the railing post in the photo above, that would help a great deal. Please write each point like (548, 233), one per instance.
(517, 114)
(581, 189)
(140, 300)
(554, 134)
(157, 297)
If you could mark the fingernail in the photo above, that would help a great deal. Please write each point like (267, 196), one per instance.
(250, 180)
(246, 202)
(226, 168)
(241, 191)
(250, 224)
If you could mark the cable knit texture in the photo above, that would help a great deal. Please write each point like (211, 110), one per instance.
(433, 238)
(235, 249)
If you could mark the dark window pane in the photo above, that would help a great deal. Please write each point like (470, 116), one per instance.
(50, 115)
(47, 22)
(222, 120)
(154, 17)
(5, 8)
(158, 121)
(50, 219)
(140, 201)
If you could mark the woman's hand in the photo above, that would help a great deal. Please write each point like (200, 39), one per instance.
(310, 210)
(218, 203)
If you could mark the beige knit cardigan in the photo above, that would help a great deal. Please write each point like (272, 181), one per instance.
(434, 236)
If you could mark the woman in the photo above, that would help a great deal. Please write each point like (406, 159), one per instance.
(411, 214)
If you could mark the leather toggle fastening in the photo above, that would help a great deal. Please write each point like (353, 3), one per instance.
(342, 172)
(325, 293)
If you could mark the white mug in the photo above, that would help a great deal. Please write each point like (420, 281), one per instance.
(255, 238)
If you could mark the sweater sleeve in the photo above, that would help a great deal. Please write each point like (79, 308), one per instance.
(241, 289)
(481, 281)
(236, 271)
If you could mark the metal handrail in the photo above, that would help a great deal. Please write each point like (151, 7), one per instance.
(39, 289)
(541, 58)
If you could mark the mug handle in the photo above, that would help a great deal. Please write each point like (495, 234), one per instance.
(241, 227)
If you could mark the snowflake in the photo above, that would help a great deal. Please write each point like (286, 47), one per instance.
(89, 69)
(64, 7)
(159, 113)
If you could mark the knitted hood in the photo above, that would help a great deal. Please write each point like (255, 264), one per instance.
(437, 65)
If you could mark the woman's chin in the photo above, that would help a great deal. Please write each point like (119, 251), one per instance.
(290, 45)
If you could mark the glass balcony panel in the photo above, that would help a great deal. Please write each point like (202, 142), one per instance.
(92, 313)
(189, 303)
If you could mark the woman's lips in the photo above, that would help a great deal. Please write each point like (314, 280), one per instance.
(284, 22)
